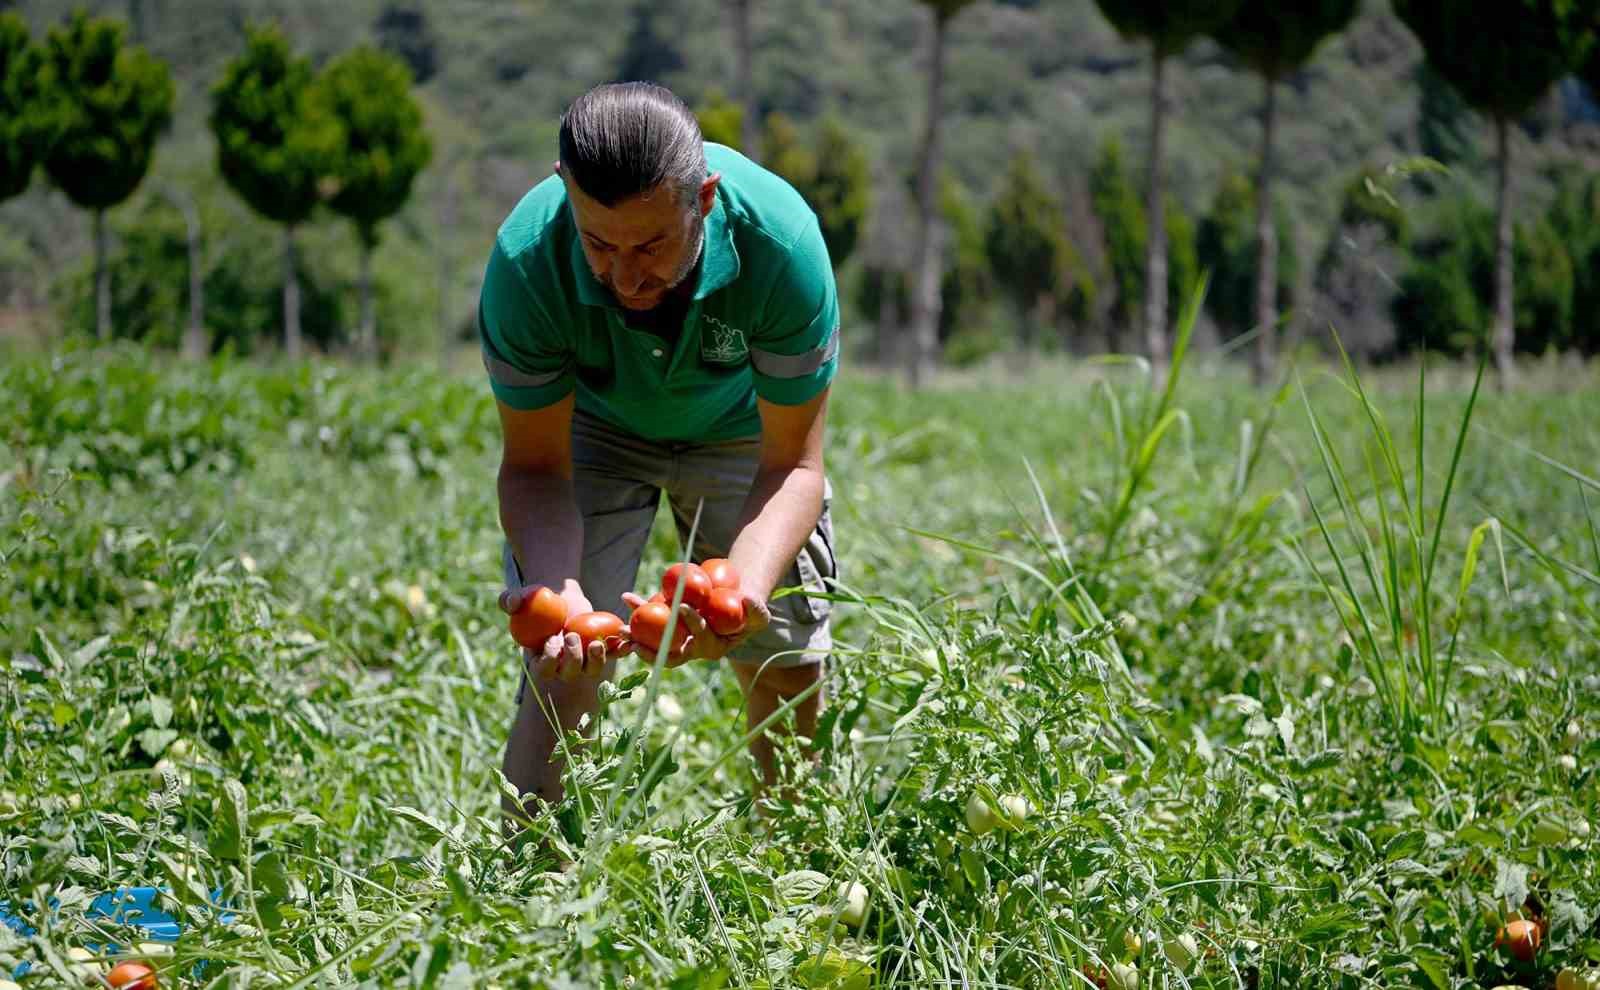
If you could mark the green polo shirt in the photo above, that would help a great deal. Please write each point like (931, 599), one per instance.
(764, 319)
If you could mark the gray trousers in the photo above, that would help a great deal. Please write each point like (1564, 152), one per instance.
(618, 479)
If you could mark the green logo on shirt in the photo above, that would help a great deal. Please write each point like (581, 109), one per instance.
(724, 344)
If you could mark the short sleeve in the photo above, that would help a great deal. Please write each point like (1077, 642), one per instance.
(528, 360)
(795, 352)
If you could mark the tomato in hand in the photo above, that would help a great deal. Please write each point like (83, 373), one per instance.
(648, 626)
(721, 572)
(592, 626)
(724, 611)
(696, 585)
(541, 615)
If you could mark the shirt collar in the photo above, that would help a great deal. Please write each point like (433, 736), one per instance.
(718, 267)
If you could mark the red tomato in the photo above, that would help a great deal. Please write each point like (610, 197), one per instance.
(649, 624)
(658, 599)
(591, 626)
(721, 572)
(541, 615)
(724, 611)
(1520, 938)
(133, 976)
(696, 585)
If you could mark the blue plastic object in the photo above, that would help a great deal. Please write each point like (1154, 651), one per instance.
(126, 906)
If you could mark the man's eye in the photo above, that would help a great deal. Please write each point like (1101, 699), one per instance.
(649, 251)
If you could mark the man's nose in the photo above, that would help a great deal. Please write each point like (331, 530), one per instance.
(627, 278)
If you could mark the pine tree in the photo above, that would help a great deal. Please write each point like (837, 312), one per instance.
(383, 146)
(1275, 39)
(1502, 56)
(274, 147)
(106, 103)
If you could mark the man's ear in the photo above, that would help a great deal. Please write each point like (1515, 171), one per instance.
(708, 193)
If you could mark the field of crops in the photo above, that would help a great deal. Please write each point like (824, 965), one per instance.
(1241, 707)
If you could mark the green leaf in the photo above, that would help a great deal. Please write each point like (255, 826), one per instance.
(155, 741)
(62, 714)
(1317, 761)
(1406, 845)
(231, 828)
(1329, 924)
(424, 819)
(973, 866)
(1478, 833)
(160, 711)
(1434, 968)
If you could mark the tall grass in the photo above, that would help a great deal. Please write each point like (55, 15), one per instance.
(1385, 593)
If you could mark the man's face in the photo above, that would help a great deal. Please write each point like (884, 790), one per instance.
(642, 248)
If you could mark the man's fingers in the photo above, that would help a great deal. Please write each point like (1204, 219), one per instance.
(691, 620)
(631, 600)
(510, 599)
(540, 665)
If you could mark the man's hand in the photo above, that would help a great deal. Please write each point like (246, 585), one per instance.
(562, 657)
(703, 643)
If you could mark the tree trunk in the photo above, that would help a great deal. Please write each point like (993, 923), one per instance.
(1155, 259)
(291, 297)
(1504, 330)
(194, 336)
(750, 124)
(1267, 243)
(923, 353)
(368, 335)
(102, 280)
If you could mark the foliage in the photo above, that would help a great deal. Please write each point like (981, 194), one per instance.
(1169, 25)
(1183, 256)
(1574, 219)
(248, 643)
(1365, 201)
(1226, 246)
(273, 144)
(1275, 39)
(721, 119)
(403, 30)
(243, 297)
(840, 191)
(24, 131)
(1447, 292)
(1502, 55)
(1117, 204)
(382, 143)
(1028, 249)
(105, 104)
(1446, 127)
(829, 169)
(966, 325)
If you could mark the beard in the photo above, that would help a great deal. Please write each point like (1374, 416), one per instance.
(686, 267)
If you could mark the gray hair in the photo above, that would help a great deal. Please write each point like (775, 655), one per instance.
(621, 140)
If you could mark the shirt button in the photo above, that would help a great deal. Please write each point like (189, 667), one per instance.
(656, 352)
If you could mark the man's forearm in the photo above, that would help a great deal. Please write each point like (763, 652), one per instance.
(778, 517)
(539, 514)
